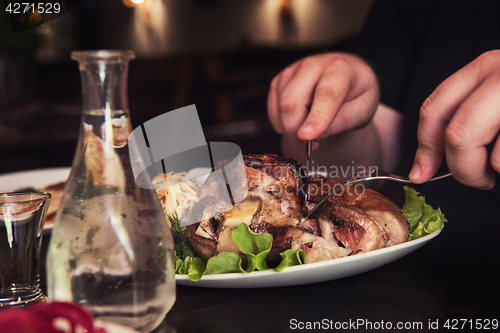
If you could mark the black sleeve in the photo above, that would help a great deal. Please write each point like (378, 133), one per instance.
(389, 43)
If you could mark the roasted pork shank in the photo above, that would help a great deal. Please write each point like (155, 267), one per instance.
(347, 224)
(361, 219)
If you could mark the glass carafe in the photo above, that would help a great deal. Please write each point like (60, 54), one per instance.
(111, 249)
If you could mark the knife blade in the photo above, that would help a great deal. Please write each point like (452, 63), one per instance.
(308, 153)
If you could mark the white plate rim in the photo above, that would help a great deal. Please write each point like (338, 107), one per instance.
(35, 178)
(310, 273)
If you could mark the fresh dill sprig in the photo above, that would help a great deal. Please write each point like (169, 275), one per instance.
(182, 246)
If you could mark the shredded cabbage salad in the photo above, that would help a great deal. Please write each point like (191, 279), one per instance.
(177, 193)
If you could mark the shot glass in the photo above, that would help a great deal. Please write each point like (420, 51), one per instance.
(22, 216)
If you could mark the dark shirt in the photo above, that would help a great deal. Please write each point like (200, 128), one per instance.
(414, 45)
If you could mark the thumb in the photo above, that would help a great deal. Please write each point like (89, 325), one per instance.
(431, 143)
(426, 163)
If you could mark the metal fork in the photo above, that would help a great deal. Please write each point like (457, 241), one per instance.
(366, 175)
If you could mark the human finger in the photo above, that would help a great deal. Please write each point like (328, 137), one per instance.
(435, 114)
(292, 93)
(273, 109)
(330, 93)
(345, 98)
(296, 95)
(472, 133)
(495, 155)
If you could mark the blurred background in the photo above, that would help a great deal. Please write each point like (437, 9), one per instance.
(218, 54)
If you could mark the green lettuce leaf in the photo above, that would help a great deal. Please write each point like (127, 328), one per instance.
(196, 269)
(422, 217)
(225, 262)
(291, 258)
(179, 265)
(253, 245)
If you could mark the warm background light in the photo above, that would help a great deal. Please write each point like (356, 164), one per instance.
(159, 27)
(132, 3)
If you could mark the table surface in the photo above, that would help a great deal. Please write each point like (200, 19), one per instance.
(449, 280)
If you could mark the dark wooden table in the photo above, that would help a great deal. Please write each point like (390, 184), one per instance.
(451, 282)
(453, 278)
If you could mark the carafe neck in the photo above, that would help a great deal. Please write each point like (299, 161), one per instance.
(104, 80)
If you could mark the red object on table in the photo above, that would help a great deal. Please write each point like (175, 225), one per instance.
(40, 318)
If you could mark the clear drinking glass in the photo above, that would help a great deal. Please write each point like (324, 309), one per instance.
(111, 249)
(22, 216)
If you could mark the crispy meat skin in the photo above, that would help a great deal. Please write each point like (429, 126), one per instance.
(286, 170)
(354, 227)
(362, 221)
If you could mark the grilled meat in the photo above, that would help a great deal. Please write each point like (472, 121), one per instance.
(347, 224)
(363, 221)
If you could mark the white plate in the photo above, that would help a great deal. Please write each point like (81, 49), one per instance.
(309, 273)
(37, 179)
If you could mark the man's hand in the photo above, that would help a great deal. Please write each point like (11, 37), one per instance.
(323, 95)
(460, 120)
